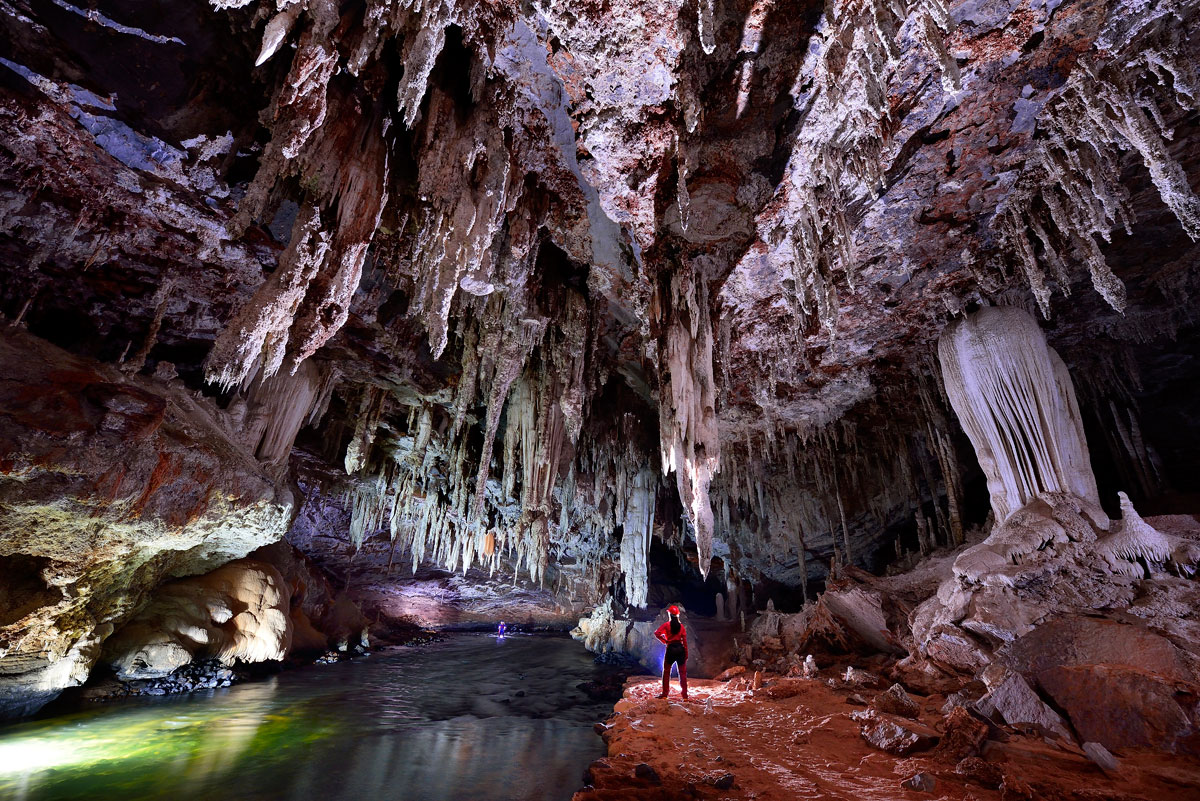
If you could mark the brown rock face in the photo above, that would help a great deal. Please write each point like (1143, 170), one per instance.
(108, 485)
(1120, 707)
(1076, 640)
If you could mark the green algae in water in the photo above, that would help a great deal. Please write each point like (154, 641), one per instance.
(471, 718)
(157, 750)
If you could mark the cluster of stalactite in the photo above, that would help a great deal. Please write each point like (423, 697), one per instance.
(689, 435)
(506, 475)
(336, 144)
(840, 153)
(789, 505)
(1069, 196)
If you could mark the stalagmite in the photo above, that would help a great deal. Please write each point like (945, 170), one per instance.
(1014, 398)
(1134, 539)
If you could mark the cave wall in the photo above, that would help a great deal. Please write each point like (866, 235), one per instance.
(109, 485)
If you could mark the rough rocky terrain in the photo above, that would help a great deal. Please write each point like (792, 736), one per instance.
(824, 738)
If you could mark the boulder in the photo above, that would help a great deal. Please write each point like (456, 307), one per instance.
(997, 614)
(1120, 707)
(1071, 640)
(238, 612)
(861, 611)
(895, 735)
(1100, 756)
(729, 673)
(963, 735)
(921, 782)
(1011, 700)
(860, 678)
(980, 771)
(952, 648)
(895, 701)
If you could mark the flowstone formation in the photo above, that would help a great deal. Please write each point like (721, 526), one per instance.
(562, 312)
(1014, 398)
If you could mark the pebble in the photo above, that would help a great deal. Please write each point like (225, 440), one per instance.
(921, 782)
(647, 773)
(1100, 755)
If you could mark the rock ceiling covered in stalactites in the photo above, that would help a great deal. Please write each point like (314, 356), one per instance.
(513, 253)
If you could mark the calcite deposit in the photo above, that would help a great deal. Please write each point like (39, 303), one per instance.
(862, 330)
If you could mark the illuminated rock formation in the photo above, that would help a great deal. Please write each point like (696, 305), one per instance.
(1014, 398)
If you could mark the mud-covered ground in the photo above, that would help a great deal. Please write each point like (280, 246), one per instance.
(795, 738)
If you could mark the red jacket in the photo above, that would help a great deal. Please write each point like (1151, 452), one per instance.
(664, 635)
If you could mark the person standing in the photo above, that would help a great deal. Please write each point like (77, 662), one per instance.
(674, 636)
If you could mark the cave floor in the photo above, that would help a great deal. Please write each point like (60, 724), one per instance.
(805, 745)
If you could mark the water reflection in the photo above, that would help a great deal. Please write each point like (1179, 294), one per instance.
(472, 718)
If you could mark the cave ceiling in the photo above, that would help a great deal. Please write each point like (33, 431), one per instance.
(579, 239)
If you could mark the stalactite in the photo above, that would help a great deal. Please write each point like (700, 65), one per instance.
(510, 354)
(135, 364)
(706, 26)
(1069, 192)
(298, 111)
(260, 328)
(841, 150)
(687, 416)
(278, 406)
(635, 541)
(370, 411)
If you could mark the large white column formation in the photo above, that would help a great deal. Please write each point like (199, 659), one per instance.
(1014, 397)
(635, 542)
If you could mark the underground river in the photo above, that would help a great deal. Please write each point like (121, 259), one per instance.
(471, 717)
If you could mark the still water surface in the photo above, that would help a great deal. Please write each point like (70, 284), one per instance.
(469, 719)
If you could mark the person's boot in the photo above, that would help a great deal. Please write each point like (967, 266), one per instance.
(666, 683)
(683, 681)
